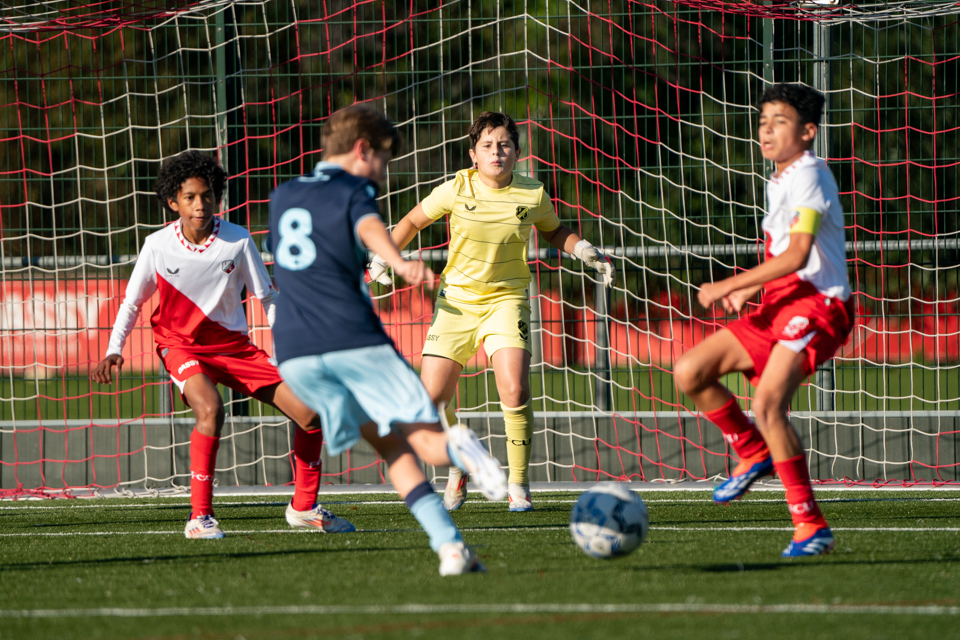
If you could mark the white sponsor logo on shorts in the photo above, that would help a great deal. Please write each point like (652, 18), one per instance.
(796, 325)
(187, 365)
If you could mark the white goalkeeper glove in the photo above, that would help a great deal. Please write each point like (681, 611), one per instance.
(592, 257)
(378, 271)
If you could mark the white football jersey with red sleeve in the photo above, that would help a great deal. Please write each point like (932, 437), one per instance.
(808, 183)
(200, 307)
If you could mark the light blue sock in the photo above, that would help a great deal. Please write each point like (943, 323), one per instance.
(435, 520)
(455, 457)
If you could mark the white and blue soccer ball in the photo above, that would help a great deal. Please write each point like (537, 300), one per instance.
(609, 521)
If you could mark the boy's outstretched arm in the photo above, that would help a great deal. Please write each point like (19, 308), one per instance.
(565, 239)
(733, 302)
(142, 284)
(375, 237)
(790, 261)
(405, 231)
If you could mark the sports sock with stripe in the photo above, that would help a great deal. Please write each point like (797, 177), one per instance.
(796, 480)
(427, 507)
(203, 463)
(518, 426)
(306, 453)
(738, 431)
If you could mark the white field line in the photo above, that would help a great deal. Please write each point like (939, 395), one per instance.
(421, 609)
(223, 503)
(535, 529)
(772, 486)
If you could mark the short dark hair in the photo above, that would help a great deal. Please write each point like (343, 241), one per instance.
(493, 120)
(189, 164)
(806, 100)
(357, 122)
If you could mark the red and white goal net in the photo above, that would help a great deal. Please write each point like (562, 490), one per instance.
(638, 116)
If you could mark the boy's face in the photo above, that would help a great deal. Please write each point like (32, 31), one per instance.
(782, 136)
(378, 166)
(495, 154)
(195, 203)
(370, 164)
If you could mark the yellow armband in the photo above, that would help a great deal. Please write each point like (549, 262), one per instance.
(805, 220)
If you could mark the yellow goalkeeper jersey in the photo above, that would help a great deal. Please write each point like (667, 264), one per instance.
(489, 230)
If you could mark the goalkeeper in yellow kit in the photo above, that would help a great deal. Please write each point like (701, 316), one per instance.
(483, 295)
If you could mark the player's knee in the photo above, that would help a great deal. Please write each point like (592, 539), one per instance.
(208, 410)
(688, 374)
(514, 393)
(767, 407)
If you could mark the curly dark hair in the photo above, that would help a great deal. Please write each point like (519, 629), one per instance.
(189, 164)
(806, 100)
(493, 120)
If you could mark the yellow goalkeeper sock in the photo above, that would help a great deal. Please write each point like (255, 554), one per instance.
(518, 426)
(451, 414)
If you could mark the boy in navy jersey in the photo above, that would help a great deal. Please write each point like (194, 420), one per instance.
(332, 349)
(804, 317)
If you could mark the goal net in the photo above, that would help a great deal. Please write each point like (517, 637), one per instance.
(639, 117)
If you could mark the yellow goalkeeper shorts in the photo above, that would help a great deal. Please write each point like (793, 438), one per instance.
(458, 329)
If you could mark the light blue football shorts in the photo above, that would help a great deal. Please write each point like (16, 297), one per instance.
(350, 388)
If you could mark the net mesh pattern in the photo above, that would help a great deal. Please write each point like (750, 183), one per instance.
(639, 118)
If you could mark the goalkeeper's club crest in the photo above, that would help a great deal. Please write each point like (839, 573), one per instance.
(227, 266)
(522, 213)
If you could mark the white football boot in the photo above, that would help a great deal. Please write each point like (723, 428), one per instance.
(456, 490)
(456, 558)
(318, 519)
(484, 468)
(519, 497)
(203, 528)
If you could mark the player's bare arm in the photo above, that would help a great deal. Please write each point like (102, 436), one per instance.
(405, 231)
(411, 224)
(376, 238)
(566, 239)
(790, 261)
(734, 302)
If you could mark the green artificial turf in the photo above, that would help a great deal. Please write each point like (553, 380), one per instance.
(692, 557)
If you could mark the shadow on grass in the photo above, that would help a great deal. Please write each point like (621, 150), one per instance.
(163, 521)
(796, 563)
(744, 567)
(192, 558)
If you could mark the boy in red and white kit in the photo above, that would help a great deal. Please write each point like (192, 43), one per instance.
(200, 265)
(805, 316)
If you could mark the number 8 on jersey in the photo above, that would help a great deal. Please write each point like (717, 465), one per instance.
(296, 250)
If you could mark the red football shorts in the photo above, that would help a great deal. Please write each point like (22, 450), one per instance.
(813, 324)
(246, 370)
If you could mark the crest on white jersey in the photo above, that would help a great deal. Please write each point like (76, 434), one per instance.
(228, 266)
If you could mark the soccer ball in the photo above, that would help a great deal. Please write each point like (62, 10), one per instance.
(609, 521)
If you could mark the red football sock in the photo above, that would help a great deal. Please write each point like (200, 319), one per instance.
(306, 452)
(203, 463)
(800, 501)
(738, 431)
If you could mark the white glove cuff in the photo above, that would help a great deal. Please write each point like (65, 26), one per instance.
(380, 261)
(580, 248)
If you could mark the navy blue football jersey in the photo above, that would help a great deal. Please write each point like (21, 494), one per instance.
(324, 304)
